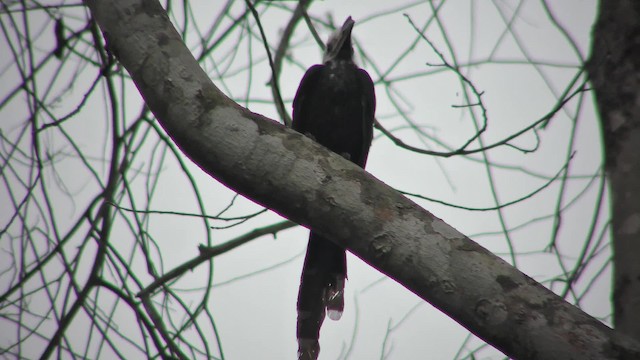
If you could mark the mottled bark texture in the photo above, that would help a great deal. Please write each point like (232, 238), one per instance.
(296, 177)
(614, 68)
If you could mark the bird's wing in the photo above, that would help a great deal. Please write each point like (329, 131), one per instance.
(305, 91)
(368, 113)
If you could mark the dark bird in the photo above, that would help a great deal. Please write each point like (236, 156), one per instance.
(335, 106)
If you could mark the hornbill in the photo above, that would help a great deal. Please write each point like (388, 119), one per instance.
(334, 105)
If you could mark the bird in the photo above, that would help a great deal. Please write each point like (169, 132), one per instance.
(335, 106)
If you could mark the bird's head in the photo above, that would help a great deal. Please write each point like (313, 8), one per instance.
(339, 44)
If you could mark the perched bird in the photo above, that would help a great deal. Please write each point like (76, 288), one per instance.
(335, 106)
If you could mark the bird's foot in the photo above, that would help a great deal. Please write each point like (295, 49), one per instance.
(310, 136)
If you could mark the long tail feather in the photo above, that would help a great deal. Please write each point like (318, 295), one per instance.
(321, 291)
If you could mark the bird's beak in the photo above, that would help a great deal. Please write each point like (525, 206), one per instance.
(347, 26)
(345, 31)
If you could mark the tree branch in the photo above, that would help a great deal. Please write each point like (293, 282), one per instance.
(209, 252)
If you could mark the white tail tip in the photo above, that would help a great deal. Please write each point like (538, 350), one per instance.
(334, 314)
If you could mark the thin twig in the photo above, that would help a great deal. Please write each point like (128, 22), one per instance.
(208, 252)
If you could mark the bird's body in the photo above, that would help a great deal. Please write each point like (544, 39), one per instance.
(331, 109)
(335, 106)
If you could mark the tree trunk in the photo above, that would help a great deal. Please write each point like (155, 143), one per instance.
(614, 68)
(303, 181)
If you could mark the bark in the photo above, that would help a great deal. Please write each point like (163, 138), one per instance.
(304, 182)
(614, 69)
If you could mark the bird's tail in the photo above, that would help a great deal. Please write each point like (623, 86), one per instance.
(321, 291)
